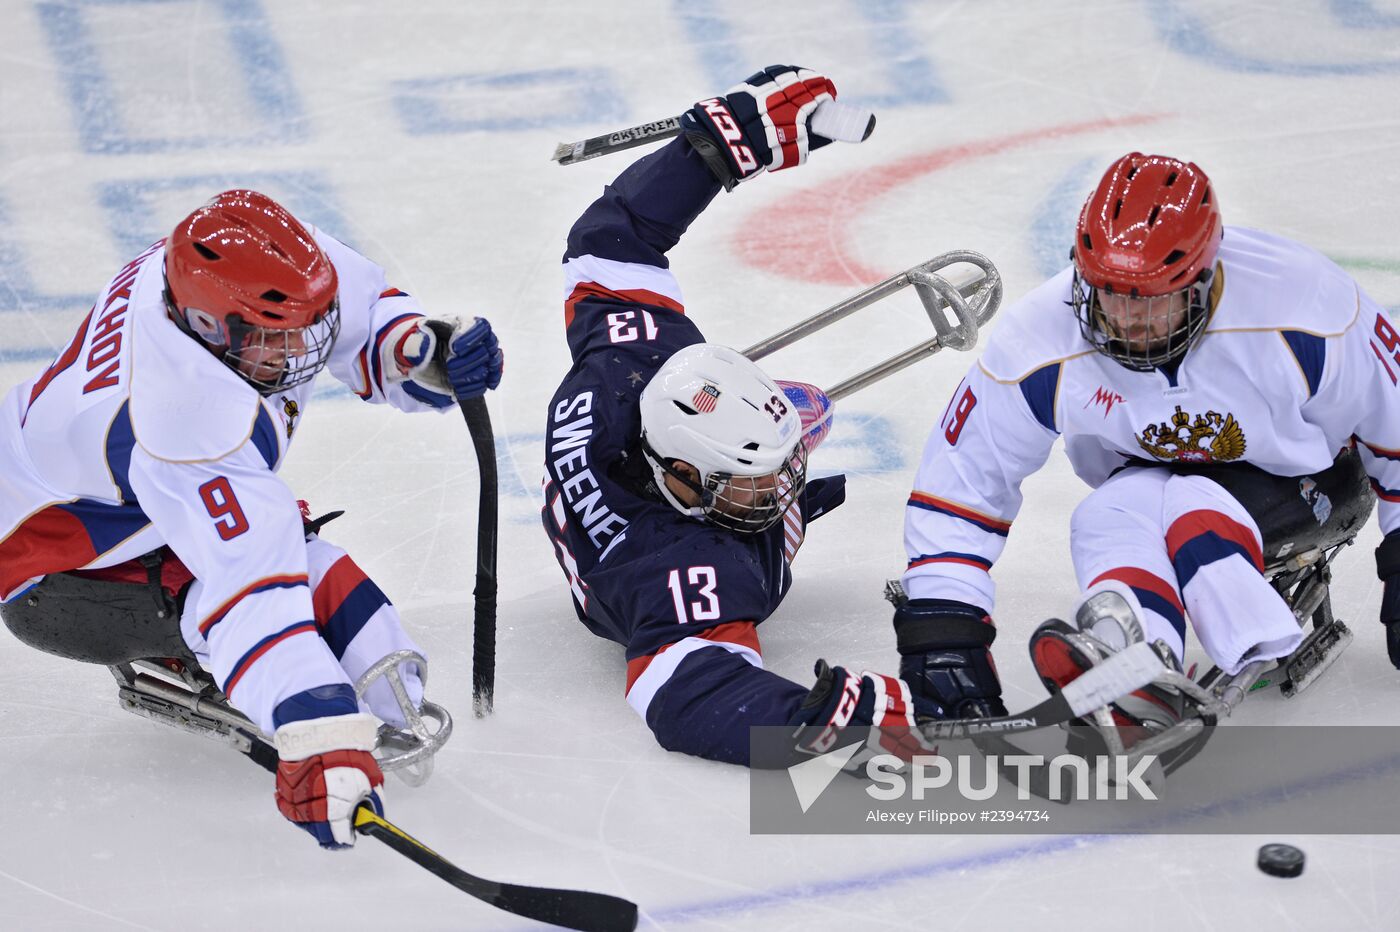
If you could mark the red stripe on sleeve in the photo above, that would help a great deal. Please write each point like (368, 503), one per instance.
(247, 663)
(961, 511)
(631, 295)
(743, 633)
(269, 582)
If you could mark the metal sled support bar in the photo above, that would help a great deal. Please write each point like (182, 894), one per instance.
(972, 299)
(200, 705)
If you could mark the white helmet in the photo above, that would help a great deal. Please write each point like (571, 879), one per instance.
(711, 407)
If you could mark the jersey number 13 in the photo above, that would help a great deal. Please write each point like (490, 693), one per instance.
(706, 605)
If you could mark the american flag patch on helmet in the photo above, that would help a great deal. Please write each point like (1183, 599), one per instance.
(704, 400)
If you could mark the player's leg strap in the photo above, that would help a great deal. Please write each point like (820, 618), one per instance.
(1296, 514)
(98, 620)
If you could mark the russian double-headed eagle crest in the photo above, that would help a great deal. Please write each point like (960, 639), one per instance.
(1206, 438)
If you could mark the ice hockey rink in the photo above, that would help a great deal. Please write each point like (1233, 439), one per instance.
(420, 133)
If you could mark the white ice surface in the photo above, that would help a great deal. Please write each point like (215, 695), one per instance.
(420, 133)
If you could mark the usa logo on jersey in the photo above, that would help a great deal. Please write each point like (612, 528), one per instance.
(705, 399)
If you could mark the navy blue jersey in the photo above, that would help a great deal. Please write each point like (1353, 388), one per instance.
(660, 583)
(642, 573)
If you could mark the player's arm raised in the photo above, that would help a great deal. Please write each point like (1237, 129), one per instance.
(617, 249)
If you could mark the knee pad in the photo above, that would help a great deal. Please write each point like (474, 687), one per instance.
(95, 621)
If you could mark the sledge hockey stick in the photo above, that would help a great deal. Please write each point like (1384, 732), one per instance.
(570, 909)
(478, 419)
(1122, 673)
(832, 119)
(973, 301)
(484, 612)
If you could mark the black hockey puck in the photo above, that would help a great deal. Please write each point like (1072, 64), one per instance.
(1281, 860)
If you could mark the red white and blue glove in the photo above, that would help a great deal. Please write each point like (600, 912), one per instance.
(473, 364)
(813, 408)
(759, 124)
(841, 699)
(326, 771)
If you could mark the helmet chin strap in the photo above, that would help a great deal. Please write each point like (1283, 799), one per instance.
(661, 468)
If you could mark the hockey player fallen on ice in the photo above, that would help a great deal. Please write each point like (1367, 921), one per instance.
(1224, 391)
(139, 474)
(676, 490)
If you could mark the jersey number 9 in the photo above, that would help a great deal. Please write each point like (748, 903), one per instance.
(223, 507)
(955, 417)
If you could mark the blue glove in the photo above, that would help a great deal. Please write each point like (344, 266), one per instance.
(759, 124)
(945, 656)
(475, 360)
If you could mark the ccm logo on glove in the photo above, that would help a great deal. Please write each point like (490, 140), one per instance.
(733, 136)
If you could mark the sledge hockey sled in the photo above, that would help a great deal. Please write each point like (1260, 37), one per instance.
(1306, 521)
(172, 692)
(133, 630)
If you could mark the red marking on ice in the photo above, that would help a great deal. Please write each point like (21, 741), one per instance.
(809, 230)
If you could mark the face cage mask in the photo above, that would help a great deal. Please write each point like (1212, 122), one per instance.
(745, 504)
(249, 345)
(1139, 354)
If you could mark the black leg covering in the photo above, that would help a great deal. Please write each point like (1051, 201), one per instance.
(1320, 510)
(95, 621)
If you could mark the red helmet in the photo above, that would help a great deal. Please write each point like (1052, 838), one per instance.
(246, 278)
(1151, 228)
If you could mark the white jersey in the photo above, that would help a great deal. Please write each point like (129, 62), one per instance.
(138, 436)
(1295, 362)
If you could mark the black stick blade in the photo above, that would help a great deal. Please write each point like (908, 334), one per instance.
(570, 909)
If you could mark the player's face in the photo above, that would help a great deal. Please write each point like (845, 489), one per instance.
(1144, 325)
(741, 496)
(746, 503)
(266, 353)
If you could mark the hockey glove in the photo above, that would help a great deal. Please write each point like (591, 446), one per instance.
(407, 355)
(813, 408)
(759, 124)
(1388, 568)
(473, 362)
(326, 771)
(841, 699)
(476, 360)
(945, 656)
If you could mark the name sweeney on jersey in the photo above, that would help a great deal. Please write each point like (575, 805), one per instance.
(569, 463)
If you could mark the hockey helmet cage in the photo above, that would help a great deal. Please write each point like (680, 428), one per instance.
(1151, 228)
(713, 408)
(250, 281)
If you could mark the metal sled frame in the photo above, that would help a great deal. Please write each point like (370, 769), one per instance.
(1303, 581)
(174, 694)
(972, 299)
